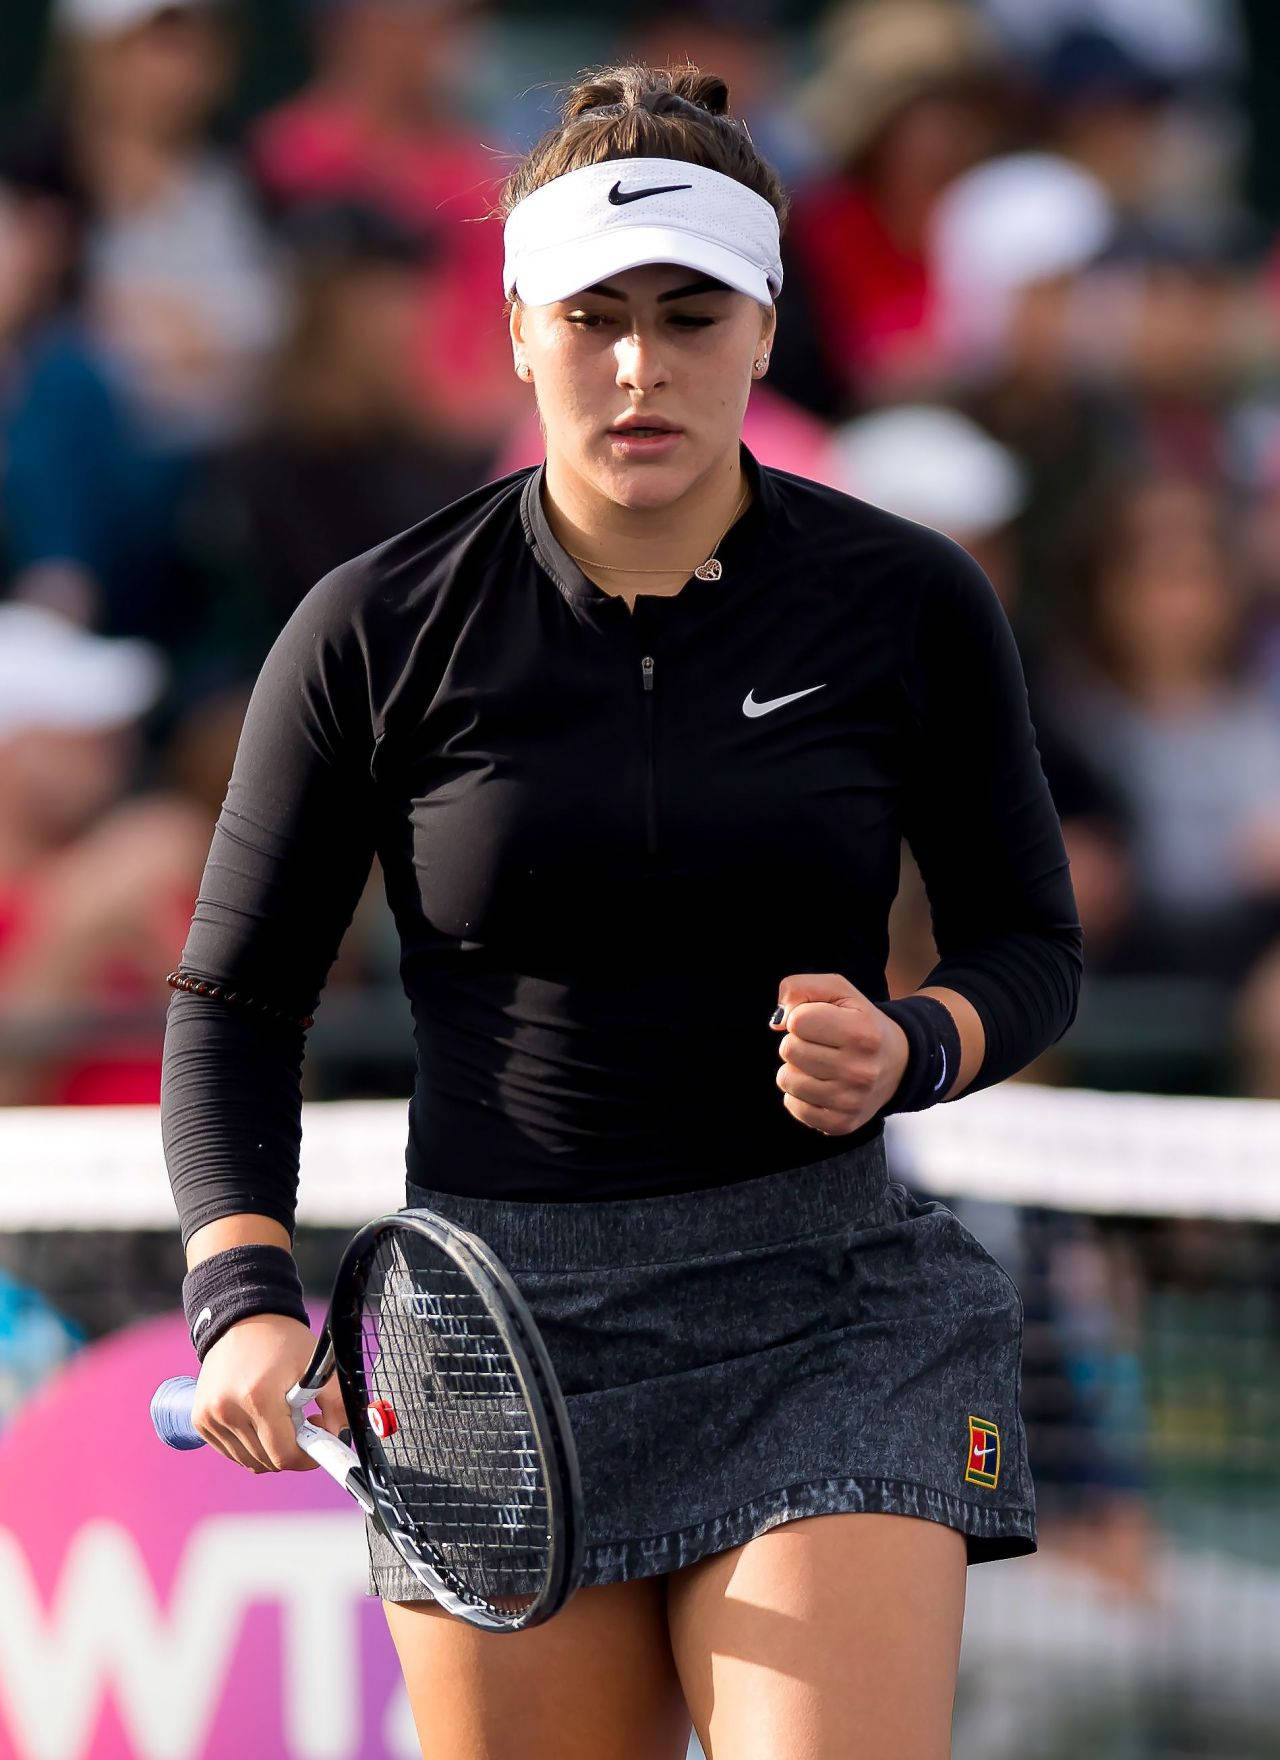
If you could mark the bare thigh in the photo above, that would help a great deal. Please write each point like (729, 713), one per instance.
(829, 1638)
(596, 1682)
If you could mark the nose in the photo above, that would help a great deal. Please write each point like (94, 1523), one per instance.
(640, 364)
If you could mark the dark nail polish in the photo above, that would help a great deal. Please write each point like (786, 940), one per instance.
(778, 1016)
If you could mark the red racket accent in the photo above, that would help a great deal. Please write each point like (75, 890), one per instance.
(382, 1419)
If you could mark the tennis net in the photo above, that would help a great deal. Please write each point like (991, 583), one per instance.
(1144, 1236)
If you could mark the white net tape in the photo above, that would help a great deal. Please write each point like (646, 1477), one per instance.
(1069, 1149)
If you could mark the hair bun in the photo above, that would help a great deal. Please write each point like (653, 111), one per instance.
(594, 95)
(658, 90)
(633, 111)
(707, 90)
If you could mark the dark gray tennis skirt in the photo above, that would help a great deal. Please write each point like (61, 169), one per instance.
(743, 1355)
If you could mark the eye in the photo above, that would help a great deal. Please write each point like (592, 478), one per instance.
(687, 321)
(588, 320)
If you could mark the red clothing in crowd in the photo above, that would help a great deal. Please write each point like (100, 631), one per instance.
(869, 295)
(442, 183)
(117, 1063)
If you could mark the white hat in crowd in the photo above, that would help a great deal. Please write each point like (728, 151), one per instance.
(1004, 225)
(103, 18)
(54, 674)
(928, 464)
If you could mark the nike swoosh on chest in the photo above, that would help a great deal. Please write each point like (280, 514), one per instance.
(751, 707)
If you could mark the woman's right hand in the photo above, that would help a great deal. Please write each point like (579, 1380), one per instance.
(240, 1406)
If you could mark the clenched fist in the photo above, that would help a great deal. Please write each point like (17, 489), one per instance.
(842, 1057)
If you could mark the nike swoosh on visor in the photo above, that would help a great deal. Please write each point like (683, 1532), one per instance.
(618, 197)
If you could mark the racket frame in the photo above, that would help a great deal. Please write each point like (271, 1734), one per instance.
(340, 1347)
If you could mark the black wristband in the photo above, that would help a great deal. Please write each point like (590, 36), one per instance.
(933, 1055)
(234, 1284)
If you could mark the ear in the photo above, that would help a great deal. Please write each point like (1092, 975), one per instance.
(768, 323)
(519, 358)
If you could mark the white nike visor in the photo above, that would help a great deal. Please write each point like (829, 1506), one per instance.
(594, 222)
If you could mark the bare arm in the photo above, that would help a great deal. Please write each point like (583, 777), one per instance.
(241, 1230)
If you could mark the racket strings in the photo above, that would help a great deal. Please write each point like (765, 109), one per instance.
(462, 1463)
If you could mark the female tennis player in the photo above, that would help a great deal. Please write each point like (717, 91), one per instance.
(635, 736)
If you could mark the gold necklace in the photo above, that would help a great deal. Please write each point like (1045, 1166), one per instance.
(710, 570)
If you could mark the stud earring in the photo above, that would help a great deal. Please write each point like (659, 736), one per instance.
(524, 370)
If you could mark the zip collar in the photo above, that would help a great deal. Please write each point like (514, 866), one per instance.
(740, 549)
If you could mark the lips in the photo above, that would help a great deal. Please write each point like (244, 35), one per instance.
(638, 429)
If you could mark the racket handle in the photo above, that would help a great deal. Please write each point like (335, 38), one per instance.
(171, 1412)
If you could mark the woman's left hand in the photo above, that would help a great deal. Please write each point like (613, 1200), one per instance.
(842, 1057)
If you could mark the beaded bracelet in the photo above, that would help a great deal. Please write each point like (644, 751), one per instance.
(202, 987)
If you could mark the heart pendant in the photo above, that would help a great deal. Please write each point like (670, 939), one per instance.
(710, 570)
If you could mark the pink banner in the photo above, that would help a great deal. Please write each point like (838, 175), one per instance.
(163, 1606)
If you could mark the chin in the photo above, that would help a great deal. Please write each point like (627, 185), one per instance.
(645, 485)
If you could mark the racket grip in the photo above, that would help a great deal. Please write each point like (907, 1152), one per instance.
(171, 1412)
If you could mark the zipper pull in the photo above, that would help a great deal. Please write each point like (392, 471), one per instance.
(646, 668)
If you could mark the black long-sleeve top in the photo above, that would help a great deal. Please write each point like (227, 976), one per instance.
(606, 836)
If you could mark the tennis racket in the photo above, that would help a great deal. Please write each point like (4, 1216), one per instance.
(462, 1452)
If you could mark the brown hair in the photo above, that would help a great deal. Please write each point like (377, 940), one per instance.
(635, 112)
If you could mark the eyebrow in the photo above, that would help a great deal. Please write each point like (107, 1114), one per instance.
(706, 285)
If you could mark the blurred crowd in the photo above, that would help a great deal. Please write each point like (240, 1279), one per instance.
(1025, 302)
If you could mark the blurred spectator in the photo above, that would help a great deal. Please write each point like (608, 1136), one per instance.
(1252, 444)
(1036, 283)
(1106, 109)
(1156, 686)
(1020, 347)
(116, 409)
(181, 281)
(378, 124)
(741, 41)
(35, 1339)
(1180, 38)
(41, 216)
(342, 455)
(933, 465)
(96, 891)
(1178, 303)
(904, 99)
(1006, 244)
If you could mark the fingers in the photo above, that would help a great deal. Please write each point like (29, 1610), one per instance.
(229, 1443)
(241, 1403)
(830, 1090)
(827, 1023)
(856, 1058)
(277, 1435)
(839, 1094)
(261, 1441)
(825, 1120)
(333, 1413)
(826, 987)
(826, 1062)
